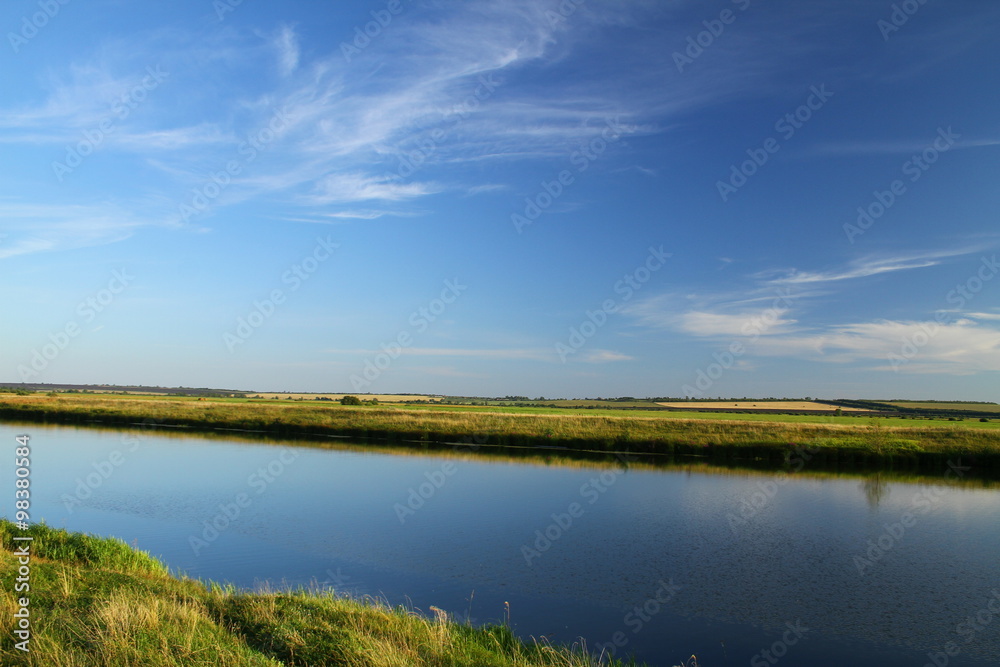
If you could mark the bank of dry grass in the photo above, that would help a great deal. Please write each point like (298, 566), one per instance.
(635, 433)
(96, 602)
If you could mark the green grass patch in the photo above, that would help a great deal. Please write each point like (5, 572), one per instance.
(94, 604)
(944, 405)
(672, 435)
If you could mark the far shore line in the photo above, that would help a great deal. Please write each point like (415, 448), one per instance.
(857, 444)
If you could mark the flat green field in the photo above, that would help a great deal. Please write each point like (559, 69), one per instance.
(739, 439)
(630, 409)
(933, 405)
(861, 420)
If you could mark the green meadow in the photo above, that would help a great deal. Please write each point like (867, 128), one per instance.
(873, 442)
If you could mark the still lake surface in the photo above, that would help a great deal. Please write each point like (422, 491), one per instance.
(661, 563)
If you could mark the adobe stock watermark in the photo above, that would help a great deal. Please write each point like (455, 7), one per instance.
(968, 630)
(223, 7)
(363, 35)
(696, 44)
(420, 495)
(914, 168)
(959, 297)
(640, 615)
(30, 25)
(218, 181)
(629, 284)
(892, 534)
(786, 126)
(563, 11)
(591, 491)
(580, 160)
(423, 492)
(900, 16)
(752, 329)
(419, 321)
(412, 161)
(86, 311)
(264, 309)
(779, 649)
(230, 512)
(337, 580)
(752, 503)
(121, 109)
(104, 469)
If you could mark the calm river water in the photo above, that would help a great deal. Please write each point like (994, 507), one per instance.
(739, 568)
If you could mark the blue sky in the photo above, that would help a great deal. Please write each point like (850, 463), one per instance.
(588, 198)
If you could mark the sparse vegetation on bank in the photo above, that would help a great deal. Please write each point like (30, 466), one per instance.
(99, 602)
(848, 439)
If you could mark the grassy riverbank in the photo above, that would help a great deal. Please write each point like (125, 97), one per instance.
(99, 602)
(849, 440)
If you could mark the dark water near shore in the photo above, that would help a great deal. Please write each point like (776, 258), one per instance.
(661, 563)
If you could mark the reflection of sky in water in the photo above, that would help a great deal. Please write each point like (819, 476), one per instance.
(329, 516)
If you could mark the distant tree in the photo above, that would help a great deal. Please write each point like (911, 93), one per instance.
(350, 400)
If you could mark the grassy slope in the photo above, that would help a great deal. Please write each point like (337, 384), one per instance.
(634, 431)
(98, 602)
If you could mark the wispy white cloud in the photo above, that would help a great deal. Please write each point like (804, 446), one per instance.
(338, 217)
(434, 99)
(486, 187)
(353, 187)
(902, 147)
(445, 86)
(107, 106)
(603, 356)
(531, 354)
(197, 136)
(31, 228)
(399, 123)
(862, 268)
(502, 353)
(81, 97)
(286, 44)
(703, 323)
(717, 315)
(958, 347)
(964, 343)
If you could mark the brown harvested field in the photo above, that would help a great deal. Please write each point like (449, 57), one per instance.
(757, 405)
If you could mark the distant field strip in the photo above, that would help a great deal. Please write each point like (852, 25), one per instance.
(977, 407)
(382, 398)
(767, 434)
(758, 405)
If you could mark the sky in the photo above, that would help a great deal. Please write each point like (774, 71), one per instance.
(563, 199)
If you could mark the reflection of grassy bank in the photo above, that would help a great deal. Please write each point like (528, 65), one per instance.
(97, 601)
(862, 445)
(563, 458)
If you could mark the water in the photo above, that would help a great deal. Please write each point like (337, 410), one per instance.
(816, 570)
